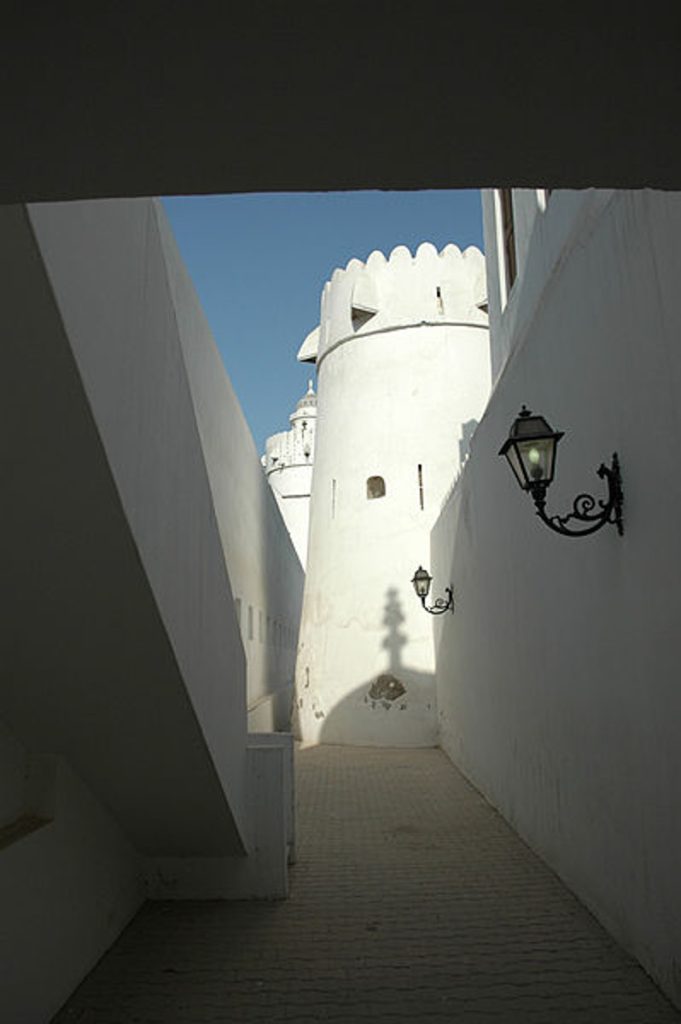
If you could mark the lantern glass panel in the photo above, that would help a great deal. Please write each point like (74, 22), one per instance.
(516, 465)
(538, 457)
(421, 582)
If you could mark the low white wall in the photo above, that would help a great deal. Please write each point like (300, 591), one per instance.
(557, 677)
(77, 869)
(264, 873)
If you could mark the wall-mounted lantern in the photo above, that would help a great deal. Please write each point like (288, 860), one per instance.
(421, 582)
(531, 453)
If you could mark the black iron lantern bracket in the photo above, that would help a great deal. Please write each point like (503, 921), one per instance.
(530, 451)
(586, 509)
(440, 606)
(421, 583)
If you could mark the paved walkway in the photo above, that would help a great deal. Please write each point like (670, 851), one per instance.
(411, 901)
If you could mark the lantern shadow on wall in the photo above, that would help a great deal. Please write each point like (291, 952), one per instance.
(396, 707)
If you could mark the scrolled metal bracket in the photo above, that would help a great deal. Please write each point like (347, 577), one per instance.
(440, 606)
(609, 510)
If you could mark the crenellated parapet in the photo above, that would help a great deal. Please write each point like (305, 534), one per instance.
(399, 291)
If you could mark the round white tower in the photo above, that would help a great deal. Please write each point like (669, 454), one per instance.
(288, 462)
(403, 360)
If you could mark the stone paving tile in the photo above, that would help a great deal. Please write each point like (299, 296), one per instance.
(411, 901)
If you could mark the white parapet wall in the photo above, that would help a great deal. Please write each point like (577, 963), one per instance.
(558, 676)
(403, 375)
(70, 880)
(263, 874)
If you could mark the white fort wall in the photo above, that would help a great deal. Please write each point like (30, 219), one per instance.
(558, 676)
(292, 489)
(398, 395)
(288, 463)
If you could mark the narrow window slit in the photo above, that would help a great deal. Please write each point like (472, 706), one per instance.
(508, 230)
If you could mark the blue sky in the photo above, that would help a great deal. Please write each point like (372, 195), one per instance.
(259, 263)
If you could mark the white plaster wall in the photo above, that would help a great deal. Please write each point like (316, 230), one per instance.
(78, 871)
(256, 550)
(526, 204)
(261, 559)
(121, 650)
(264, 873)
(383, 410)
(105, 261)
(288, 462)
(90, 687)
(496, 279)
(558, 676)
(13, 772)
(571, 217)
(27, 787)
(292, 488)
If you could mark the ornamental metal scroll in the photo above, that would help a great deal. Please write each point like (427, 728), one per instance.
(593, 513)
